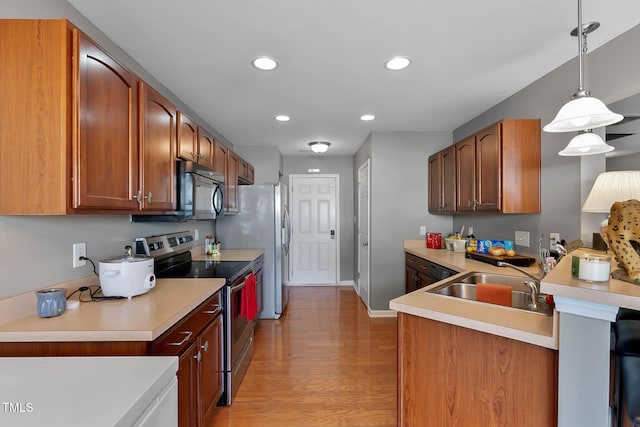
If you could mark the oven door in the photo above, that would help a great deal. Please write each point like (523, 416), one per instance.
(239, 329)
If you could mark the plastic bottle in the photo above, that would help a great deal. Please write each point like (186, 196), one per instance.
(208, 245)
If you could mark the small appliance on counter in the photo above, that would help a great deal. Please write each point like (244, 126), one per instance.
(127, 276)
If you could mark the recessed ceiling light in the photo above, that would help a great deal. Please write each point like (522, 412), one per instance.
(265, 63)
(397, 63)
(367, 117)
(283, 118)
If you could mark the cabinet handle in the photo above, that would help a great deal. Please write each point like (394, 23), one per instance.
(148, 197)
(477, 202)
(187, 336)
(137, 197)
(198, 356)
(205, 347)
(468, 203)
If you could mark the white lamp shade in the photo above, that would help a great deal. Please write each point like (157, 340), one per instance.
(582, 113)
(584, 144)
(611, 187)
(319, 146)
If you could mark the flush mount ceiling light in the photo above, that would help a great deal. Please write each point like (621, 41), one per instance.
(282, 118)
(586, 143)
(265, 63)
(397, 63)
(583, 111)
(319, 146)
(367, 117)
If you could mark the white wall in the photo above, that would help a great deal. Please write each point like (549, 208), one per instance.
(398, 194)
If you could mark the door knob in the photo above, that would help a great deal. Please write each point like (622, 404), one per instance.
(333, 234)
(365, 244)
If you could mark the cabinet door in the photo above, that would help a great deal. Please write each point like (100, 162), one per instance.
(206, 148)
(411, 282)
(210, 376)
(252, 175)
(448, 178)
(465, 156)
(488, 170)
(220, 159)
(105, 148)
(157, 136)
(231, 182)
(187, 388)
(187, 138)
(435, 185)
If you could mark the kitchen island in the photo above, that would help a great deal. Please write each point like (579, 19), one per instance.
(462, 362)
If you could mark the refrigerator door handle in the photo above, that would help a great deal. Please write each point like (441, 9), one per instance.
(287, 230)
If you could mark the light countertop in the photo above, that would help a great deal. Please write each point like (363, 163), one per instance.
(613, 292)
(141, 318)
(82, 391)
(511, 323)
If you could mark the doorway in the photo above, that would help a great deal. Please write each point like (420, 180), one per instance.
(315, 229)
(363, 232)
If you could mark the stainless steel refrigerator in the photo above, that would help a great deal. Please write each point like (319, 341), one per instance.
(262, 223)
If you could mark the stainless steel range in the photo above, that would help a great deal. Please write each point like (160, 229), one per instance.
(172, 259)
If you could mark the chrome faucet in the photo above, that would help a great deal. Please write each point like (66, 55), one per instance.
(533, 284)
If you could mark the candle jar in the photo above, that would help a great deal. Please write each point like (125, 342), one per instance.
(594, 268)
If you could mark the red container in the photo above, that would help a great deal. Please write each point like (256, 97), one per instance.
(434, 240)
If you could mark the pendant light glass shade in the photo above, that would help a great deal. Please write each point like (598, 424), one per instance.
(584, 144)
(319, 146)
(582, 113)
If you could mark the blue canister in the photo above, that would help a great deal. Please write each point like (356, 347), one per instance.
(51, 302)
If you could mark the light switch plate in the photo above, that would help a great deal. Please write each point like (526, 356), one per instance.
(554, 239)
(423, 230)
(522, 238)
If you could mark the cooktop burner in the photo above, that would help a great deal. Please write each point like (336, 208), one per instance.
(182, 266)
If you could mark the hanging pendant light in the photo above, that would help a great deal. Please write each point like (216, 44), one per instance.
(586, 143)
(583, 112)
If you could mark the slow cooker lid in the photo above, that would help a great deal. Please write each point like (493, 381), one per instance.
(128, 257)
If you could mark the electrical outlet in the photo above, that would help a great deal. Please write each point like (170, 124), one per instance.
(79, 250)
(195, 234)
(554, 239)
(423, 230)
(522, 238)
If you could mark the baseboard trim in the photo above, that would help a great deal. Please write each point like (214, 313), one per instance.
(383, 313)
(346, 283)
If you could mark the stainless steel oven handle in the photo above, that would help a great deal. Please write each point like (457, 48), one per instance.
(237, 287)
(216, 309)
(187, 337)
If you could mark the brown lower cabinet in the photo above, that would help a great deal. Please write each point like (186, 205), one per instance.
(453, 376)
(197, 340)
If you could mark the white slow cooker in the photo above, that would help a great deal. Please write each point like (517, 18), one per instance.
(126, 276)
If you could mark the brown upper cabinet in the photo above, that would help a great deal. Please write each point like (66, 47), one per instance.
(442, 181)
(496, 170)
(194, 142)
(206, 148)
(187, 138)
(157, 139)
(71, 152)
(246, 173)
(231, 183)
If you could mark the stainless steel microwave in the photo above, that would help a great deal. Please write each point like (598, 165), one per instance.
(200, 195)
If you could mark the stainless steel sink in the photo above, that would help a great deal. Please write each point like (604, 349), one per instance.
(465, 287)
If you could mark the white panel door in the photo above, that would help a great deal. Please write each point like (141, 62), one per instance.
(314, 233)
(363, 232)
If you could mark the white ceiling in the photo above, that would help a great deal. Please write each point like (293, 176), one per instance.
(467, 55)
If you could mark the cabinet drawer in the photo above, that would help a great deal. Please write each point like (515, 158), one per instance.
(177, 339)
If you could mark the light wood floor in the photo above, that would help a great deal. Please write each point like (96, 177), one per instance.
(323, 363)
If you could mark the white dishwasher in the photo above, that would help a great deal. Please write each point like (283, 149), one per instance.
(89, 391)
